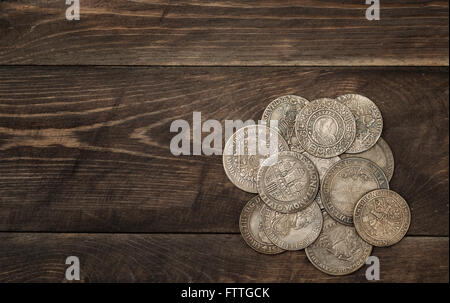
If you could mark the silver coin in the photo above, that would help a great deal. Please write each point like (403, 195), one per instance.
(380, 154)
(322, 164)
(284, 110)
(242, 157)
(287, 182)
(250, 225)
(382, 217)
(325, 128)
(369, 122)
(318, 200)
(346, 182)
(292, 231)
(338, 250)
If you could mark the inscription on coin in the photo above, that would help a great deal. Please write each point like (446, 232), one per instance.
(293, 231)
(322, 164)
(380, 154)
(346, 182)
(284, 110)
(369, 122)
(382, 217)
(288, 185)
(250, 225)
(325, 128)
(318, 200)
(328, 169)
(338, 250)
(241, 162)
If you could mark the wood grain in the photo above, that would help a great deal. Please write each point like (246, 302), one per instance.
(201, 32)
(198, 258)
(87, 148)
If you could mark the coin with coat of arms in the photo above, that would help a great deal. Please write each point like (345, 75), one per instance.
(287, 182)
(382, 217)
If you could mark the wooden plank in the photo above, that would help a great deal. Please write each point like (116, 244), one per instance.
(202, 32)
(87, 149)
(198, 258)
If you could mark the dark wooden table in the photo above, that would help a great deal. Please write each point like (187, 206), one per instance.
(86, 107)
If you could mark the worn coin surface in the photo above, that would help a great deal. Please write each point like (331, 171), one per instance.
(242, 157)
(338, 250)
(380, 154)
(382, 217)
(346, 182)
(292, 231)
(318, 200)
(369, 122)
(325, 128)
(287, 182)
(284, 110)
(322, 164)
(250, 225)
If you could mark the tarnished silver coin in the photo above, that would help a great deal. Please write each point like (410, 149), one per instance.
(287, 182)
(318, 200)
(369, 122)
(325, 128)
(380, 154)
(250, 225)
(382, 217)
(292, 231)
(322, 164)
(338, 250)
(242, 156)
(284, 110)
(346, 182)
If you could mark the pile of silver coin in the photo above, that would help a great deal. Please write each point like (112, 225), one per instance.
(324, 187)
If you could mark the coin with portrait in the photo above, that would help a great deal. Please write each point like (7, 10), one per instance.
(244, 152)
(250, 225)
(293, 231)
(382, 217)
(325, 128)
(338, 250)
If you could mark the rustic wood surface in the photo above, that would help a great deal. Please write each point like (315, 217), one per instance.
(86, 108)
(198, 258)
(87, 149)
(203, 32)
